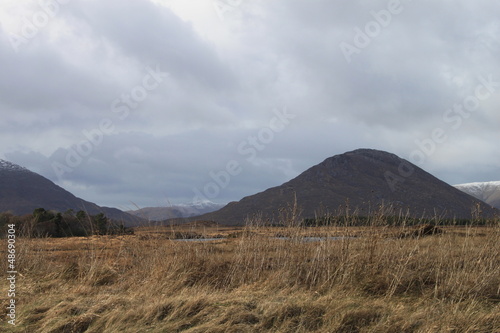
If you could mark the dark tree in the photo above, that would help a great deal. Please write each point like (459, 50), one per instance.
(101, 223)
(41, 215)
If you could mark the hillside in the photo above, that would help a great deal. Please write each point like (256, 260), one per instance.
(488, 192)
(358, 178)
(22, 191)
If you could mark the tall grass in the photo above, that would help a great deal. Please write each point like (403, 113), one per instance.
(377, 278)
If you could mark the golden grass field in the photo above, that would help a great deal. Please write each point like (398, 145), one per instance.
(252, 281)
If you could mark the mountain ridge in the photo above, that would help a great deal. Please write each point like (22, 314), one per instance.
(175, 211)
(22, 191)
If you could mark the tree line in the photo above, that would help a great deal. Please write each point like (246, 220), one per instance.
(48, 223)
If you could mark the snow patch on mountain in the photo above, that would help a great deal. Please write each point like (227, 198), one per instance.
(488, 192)
(9, 166)
(177, 211)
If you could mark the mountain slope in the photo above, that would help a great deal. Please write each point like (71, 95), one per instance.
(22, 191)
(488, 192)
(359, 177)
(175, 211)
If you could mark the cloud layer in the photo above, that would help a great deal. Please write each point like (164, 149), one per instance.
(147, 102)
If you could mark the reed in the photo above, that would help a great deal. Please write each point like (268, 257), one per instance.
(264, 279)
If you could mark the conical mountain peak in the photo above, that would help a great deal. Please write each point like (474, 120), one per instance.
(367, 179)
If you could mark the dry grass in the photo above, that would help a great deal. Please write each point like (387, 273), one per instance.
(372, 281)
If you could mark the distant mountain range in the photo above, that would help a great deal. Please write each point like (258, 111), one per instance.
(488, 192)
(361, 181)
(176, 211)
(22, 191)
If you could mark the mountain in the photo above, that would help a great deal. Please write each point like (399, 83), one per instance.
(488, 192)
(22, 191)
(365, 179)
(176, 211)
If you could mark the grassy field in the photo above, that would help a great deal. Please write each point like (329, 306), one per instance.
(260, 279)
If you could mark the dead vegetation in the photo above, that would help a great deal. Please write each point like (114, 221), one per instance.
(379, 279)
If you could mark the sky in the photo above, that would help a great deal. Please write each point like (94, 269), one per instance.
(141, 103)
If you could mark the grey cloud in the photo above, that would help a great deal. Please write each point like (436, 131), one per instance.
(222, 90)
(154, 35)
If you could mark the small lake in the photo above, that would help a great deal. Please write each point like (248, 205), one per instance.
(196, 239)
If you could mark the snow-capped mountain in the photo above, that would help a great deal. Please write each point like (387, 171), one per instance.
(488, 192)
(176, 211)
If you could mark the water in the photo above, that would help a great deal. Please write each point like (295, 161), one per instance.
(196, 239)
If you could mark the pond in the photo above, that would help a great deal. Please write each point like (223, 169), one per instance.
(196, 239)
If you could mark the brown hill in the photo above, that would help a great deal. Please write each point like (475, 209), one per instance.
(365, 179)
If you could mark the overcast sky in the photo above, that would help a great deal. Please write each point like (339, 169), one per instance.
(152, 103)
